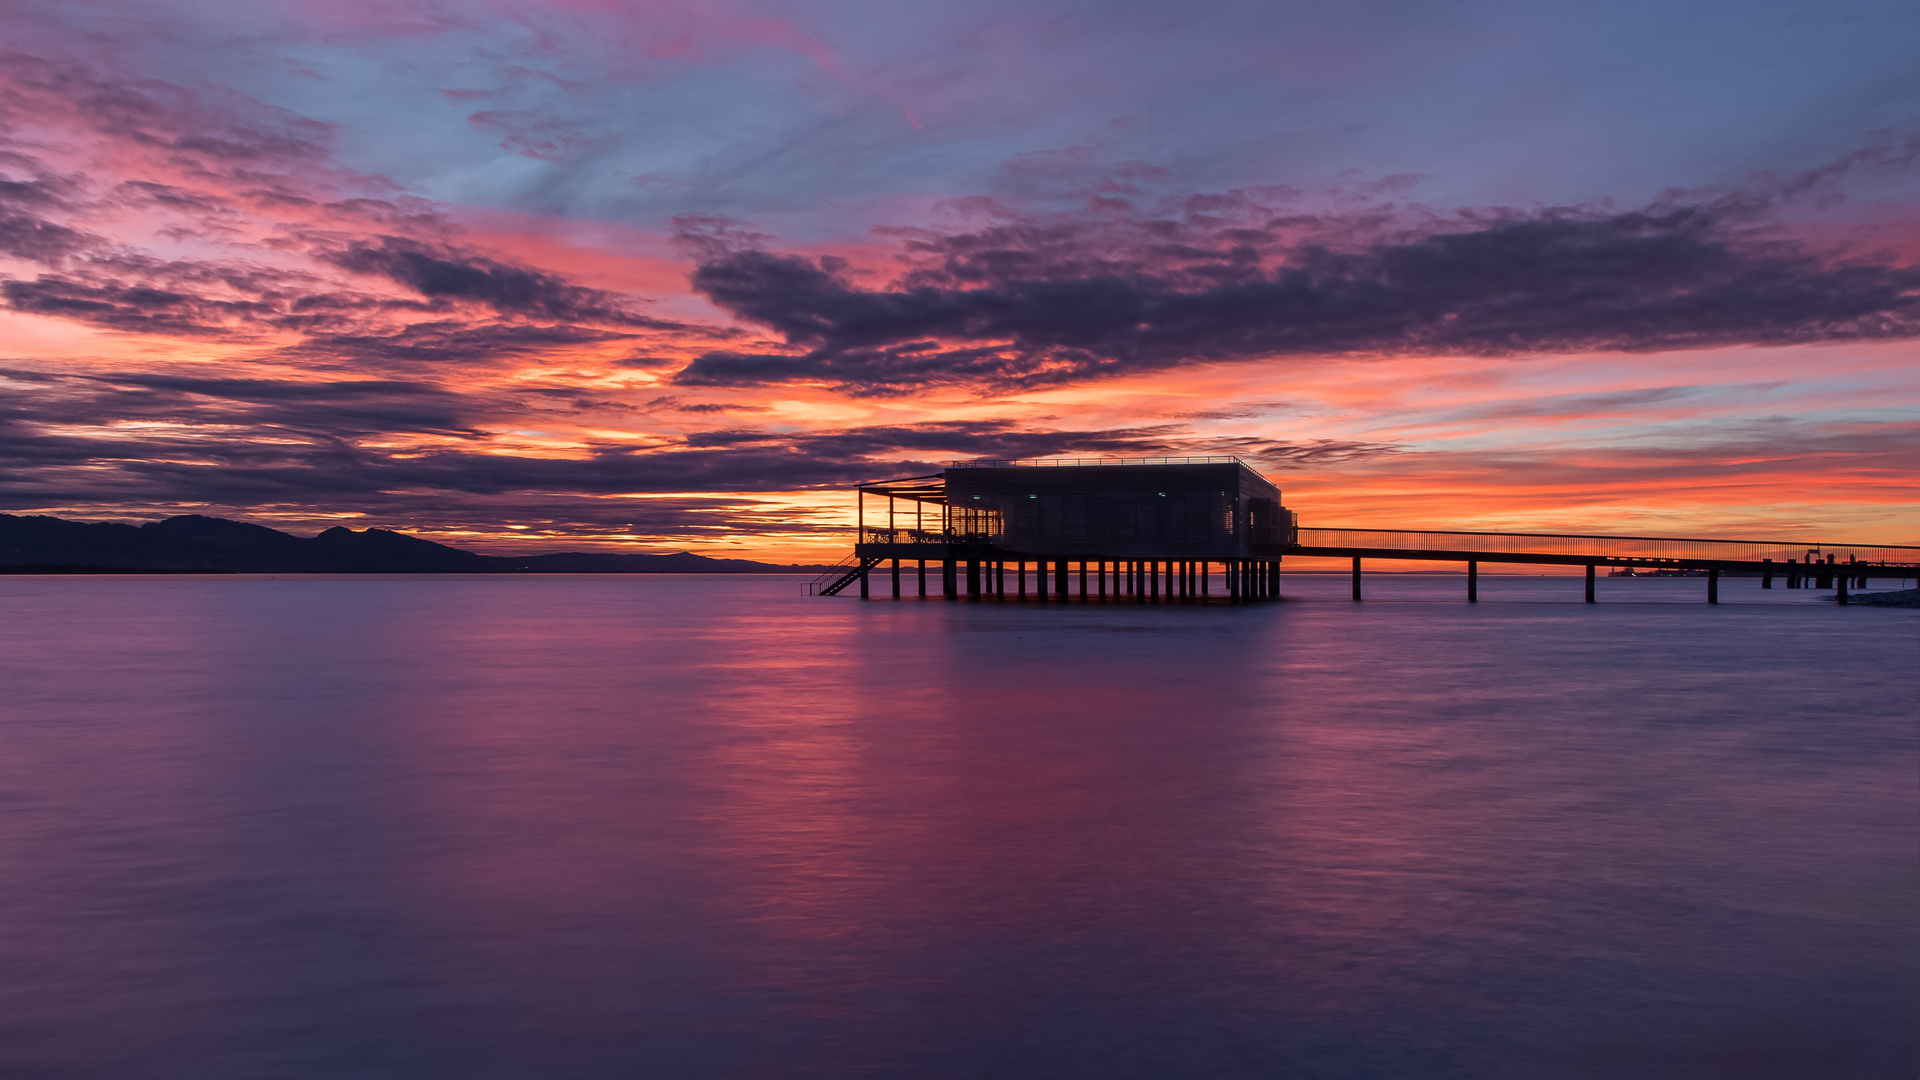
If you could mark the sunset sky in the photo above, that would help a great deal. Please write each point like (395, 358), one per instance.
(525, 276)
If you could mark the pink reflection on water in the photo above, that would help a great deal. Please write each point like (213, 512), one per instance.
(690, 827)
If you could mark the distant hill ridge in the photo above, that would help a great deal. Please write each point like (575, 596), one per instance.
(196, 544)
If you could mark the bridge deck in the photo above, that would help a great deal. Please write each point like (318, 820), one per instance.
(1824, 563)
(1573, 549)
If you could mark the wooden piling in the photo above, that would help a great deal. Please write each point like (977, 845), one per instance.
(1590, 570)
(1473, 582)
(1713, 586)
(1356, 577)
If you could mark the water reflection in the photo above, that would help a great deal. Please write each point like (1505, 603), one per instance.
(707, 828)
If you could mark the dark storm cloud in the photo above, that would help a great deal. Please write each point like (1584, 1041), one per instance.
(299, 238)
(127, 291)
(25, 230)
(449, 341)
(675, 404)
(128, 307)
(209, 125)
(1033, 304)
(515, 290)
(236, 408)
(136, 438)
(25, 236)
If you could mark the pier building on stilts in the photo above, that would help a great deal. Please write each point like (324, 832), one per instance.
(1141, 529)
(1185, 529)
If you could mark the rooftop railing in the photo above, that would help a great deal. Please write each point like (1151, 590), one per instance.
(999, 463)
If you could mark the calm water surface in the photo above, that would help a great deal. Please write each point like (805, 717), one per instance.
(664, 827)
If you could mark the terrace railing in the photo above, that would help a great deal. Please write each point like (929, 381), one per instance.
(912, 537)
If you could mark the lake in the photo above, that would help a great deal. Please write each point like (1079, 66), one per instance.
(557, 827)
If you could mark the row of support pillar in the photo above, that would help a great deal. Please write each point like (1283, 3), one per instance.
(1149, 580)
(1814, 574)
(1141, 580)
(1473, 583)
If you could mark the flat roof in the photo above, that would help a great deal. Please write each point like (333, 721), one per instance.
(997, 463)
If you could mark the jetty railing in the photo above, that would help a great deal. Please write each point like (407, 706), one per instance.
(1574, 547)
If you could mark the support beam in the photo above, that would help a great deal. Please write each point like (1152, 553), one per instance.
(1841, 595)
(1766, 576)
(923, 577)
(1356, 577)
(863, 578)
(973, 579)
(1713, 586)
(949, 588)
(1590, 570)
(1060, 578)
(1473, 582)
(896, 576)
(1083, 581)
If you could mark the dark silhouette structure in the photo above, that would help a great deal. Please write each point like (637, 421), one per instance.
(1159, 528)
(1137, 528)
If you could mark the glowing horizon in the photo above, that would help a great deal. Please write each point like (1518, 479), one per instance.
(540, 276)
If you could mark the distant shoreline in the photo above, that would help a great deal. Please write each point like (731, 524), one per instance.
(195, 544)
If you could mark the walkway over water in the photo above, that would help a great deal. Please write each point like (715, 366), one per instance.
(1576, 549)
(1161, 526)
(1823, 564)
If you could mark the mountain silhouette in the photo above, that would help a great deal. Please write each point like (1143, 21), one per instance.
(197, 544)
